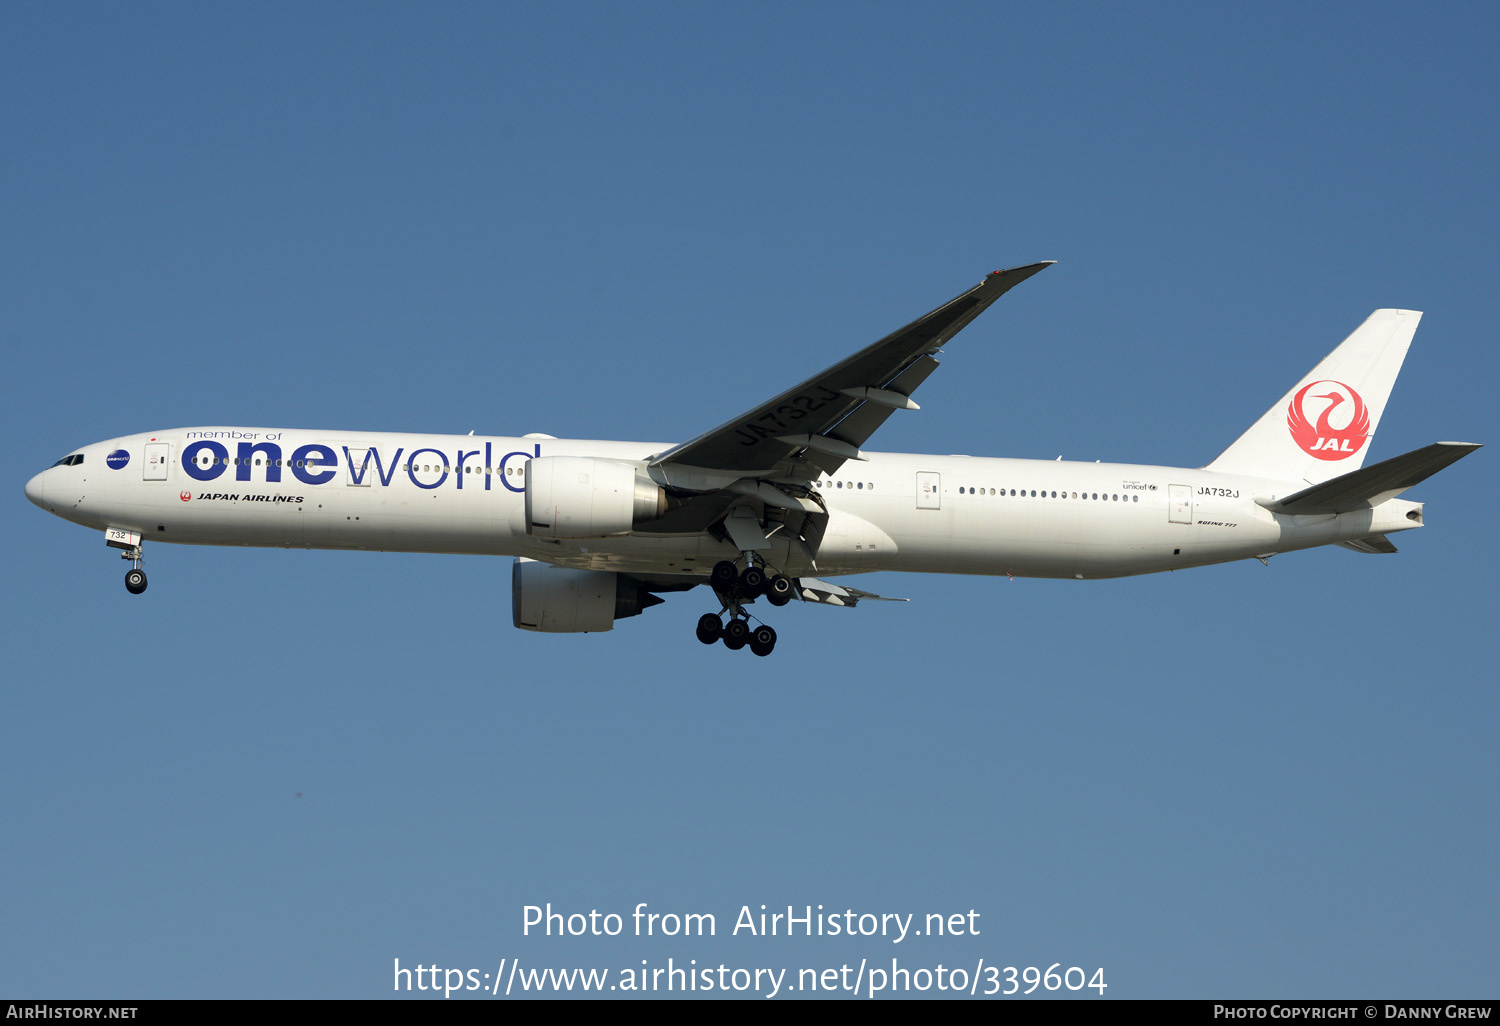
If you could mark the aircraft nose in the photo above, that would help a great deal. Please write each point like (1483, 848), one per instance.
(35, 489)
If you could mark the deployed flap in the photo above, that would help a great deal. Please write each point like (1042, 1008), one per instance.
(743, 528)
(813, 590)
(1369, 487)
(759, 439)
(1375, 543)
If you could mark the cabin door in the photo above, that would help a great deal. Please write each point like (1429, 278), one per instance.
(929, 490)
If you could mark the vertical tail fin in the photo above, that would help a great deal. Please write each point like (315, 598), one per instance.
(1322, 428)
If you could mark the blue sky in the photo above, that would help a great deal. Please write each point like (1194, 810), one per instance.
(634, 221)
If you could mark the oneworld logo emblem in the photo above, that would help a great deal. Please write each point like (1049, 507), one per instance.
(117, 459)
(1328, 420)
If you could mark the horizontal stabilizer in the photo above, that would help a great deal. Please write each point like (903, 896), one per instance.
(1370, 486)
(1375, 543)
(814, 590)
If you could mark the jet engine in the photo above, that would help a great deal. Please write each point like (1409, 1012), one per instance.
(558, 600)
(584, 497)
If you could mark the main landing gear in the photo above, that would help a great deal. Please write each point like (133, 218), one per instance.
(736, 634)
(735, 588)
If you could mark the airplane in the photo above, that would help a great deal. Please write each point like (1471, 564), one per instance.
(773, 502)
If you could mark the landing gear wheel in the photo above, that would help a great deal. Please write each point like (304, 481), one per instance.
(779, 590)
(753, 580)
(135, 581)
(763, 640)
(709, 628)
(736, 635)
(724, 575)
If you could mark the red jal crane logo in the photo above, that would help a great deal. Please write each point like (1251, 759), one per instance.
(1323, 439)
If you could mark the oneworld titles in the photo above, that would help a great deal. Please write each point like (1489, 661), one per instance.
(803, 921)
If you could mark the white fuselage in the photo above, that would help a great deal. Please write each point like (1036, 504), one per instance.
(893, 511)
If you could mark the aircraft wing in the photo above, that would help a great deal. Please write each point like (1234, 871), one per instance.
(814, 427)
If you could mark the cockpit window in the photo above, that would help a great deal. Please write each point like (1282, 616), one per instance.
(70, 461)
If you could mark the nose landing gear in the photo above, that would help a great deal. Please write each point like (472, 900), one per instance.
(130, 543)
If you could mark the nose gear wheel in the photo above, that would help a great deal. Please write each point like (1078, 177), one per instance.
(135, 577)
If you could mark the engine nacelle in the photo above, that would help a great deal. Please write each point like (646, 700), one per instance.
(557, 600)
(585, 497)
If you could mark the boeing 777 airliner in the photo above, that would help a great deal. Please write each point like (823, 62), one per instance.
(774, 500)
